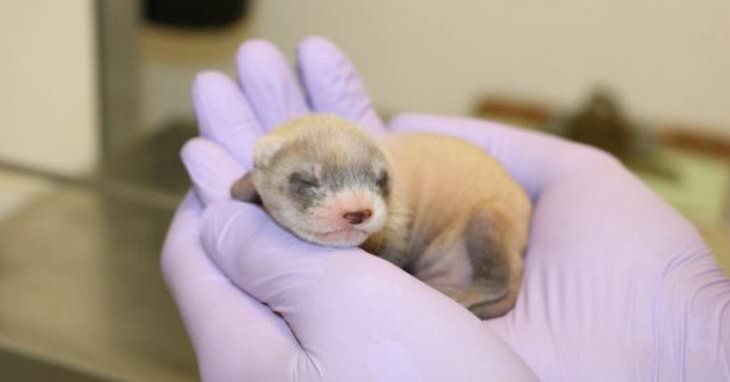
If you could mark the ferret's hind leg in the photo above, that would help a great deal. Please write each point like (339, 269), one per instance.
(494, 244)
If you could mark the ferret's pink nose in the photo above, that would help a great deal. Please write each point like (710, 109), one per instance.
(357, 217)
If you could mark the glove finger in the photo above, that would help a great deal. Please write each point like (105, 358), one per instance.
(211, 169)
(225, 116)
(273, 265)
(229, 232)
(235, 336)
(532, 158)
(332, 84)
(268, 84)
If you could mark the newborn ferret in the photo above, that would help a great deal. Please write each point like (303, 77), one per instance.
(439, 207)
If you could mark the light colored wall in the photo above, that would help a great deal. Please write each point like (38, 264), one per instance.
(170, 58)
(668, 61)
(47, 84)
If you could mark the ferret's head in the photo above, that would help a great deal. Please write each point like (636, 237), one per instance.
(322, 178)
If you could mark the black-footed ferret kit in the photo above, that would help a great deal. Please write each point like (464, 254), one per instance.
(439, 207)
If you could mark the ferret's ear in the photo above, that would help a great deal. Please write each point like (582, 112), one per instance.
(244, 189)
(265, 150)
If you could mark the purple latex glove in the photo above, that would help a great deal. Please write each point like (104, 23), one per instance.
(341, 314)
(617, 285)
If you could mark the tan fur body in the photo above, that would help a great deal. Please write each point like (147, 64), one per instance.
(438, 183)
(449, 213)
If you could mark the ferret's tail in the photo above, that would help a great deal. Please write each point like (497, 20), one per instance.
(495, 249)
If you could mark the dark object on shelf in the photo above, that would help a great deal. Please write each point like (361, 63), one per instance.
(601, 123)
(195, 13)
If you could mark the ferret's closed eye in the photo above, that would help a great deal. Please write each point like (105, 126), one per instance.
(382, 181)
(303, 182)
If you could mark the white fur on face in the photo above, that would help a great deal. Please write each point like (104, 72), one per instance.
(326, 225)
(305, 146)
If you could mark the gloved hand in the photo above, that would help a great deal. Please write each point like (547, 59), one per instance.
(617, 285)
(261, 305)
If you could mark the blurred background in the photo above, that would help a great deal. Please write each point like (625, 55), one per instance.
(95, 100)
